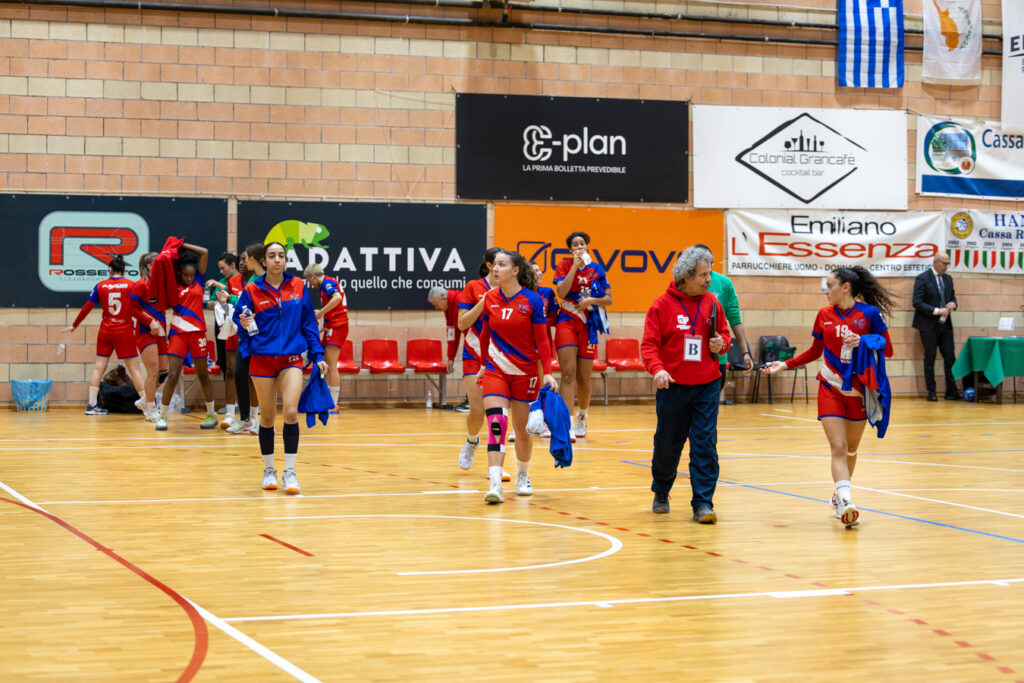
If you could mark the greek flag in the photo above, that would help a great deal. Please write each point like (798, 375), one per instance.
(870, 51)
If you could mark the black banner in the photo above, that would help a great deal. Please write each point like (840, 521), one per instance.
(385, 256)
(570, 148)
(62, 243)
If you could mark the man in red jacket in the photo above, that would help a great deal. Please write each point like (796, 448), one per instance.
(684, 332)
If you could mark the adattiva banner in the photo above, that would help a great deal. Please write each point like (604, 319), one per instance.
(385, 256)
(969, 158)
(64, 242)
(985, 241)
(570, 148)
(813, 243)
(768, 157)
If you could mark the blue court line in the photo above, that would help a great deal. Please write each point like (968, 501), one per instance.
(822, 500)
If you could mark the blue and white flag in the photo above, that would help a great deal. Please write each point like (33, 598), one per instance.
(870, 51)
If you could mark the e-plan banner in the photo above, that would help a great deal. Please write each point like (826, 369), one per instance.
(768, 157)
(570, 149)
(969, 158)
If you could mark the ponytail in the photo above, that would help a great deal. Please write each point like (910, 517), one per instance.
(488, 261)
(527, 277)
(866, 286)
(117, 265)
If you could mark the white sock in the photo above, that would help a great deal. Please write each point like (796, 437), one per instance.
(843, 490)
(268, 460)
(289, 460)
(582, 414)
(94, 395)
(211, 409)
(254, 414)
(523, 466)
(494, 471)
(229, 412)
(335, 393)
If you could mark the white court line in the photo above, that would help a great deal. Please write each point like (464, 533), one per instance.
(263, 651)
(616, 544)
(631, 601)
(942, 502)
(972, 490)
(20, 497)
(589, 489)
(788, 417)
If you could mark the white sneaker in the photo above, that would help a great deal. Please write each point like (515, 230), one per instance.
(505, 476)
(847, 513)
(153, 415)
(252, 427)
(835, 504)
(161, 423)
(95, 410)
(270, 479)
(290, 482)
(237, 427)
(580, 428)
(467, 453)
(227, 421)
(511, 438)
(141, 405)
(572, 435)
(494, 494)
(523, 487)
(546, 434)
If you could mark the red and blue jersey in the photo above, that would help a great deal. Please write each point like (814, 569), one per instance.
(451, 322)
(188, 312)
(471, 295)
(510, 334)
(143, 307)
(112, 296)
(550, 304)
(582, 281)
(830, 326)
(337, 316)
(284, 315)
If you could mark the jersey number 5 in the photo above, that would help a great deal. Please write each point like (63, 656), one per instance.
(114, 299)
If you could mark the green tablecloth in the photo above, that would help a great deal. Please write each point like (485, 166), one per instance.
(996, 357)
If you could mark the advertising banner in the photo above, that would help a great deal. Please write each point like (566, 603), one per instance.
(969, 158)
(385, 256)
(813, 243)
(1013, 66)
(64, 242)
(952, 42)
(570, 149)
(985, 242)
(768, 157)
(636, 247)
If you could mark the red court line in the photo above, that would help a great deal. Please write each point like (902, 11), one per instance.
(286, 545)
(201, 642)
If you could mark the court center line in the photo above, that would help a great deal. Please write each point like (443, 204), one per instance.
(788, 417)
(631, 601)
(616, 544)
(941, 502)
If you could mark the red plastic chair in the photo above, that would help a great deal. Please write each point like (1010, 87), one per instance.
(211, 368)
(424, 356)
(624, 355)
(380, 356)
(346, 364)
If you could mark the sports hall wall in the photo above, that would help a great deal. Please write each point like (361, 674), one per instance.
(239, 106)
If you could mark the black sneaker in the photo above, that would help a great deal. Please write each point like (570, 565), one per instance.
(705, 515)
(660, 504)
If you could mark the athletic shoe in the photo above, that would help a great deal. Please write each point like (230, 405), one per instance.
(660, 505)
(705, 515)
(209, 422)
(289, 481)
(253, 427)
(153, 415)
(141, 405)
(332, 412)
(572, 435)
(225, 423)
(238, 427)
(467, 453)
(161, 423)
(546, 434)
(462, 407)
(494, 494)
(523, 487)
(848, 513)
(580, 428)
(95, 410)
(505, 476)
(511, 438)
(270, 479)
(835, 505)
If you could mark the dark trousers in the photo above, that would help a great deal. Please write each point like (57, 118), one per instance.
(940, 338)
(686, 411)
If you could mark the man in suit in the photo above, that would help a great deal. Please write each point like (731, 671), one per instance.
(934, 301)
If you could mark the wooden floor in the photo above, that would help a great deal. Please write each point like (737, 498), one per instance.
(135, 555)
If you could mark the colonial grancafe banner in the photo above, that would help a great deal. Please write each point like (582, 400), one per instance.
(64, 242)
(385, 256)
(570, 149)
(969, 158)
(812, 243)
(985, 241)
(1013, 66)
(769, 157)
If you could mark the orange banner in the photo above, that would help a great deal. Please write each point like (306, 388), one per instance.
(637, 247)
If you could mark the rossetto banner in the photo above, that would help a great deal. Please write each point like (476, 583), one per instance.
(812, 243)
(637, 247)
(985, 242)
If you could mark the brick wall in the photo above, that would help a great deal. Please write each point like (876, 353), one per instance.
(128, 102)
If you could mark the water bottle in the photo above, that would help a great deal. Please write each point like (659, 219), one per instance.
(252, 328)
(60, 350)
(846, 355)
(430, 399)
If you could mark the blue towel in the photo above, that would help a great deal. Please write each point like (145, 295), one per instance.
(868, 365)
(316, 400)
(597, 321)
(556, 416)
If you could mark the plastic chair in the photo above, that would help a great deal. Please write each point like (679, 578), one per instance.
(424, 357)
(772, 348)
(346, 363)
(737, 364)
(380, 356)
(624, 355)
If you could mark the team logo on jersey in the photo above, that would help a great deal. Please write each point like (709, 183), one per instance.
(683, 321)
(860, 323)
(75, 247)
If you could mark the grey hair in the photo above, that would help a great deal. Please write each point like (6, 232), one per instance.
(437, 293)
(686, 264)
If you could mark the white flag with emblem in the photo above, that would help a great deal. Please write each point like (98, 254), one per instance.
(1013, 66)
(952, 41)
